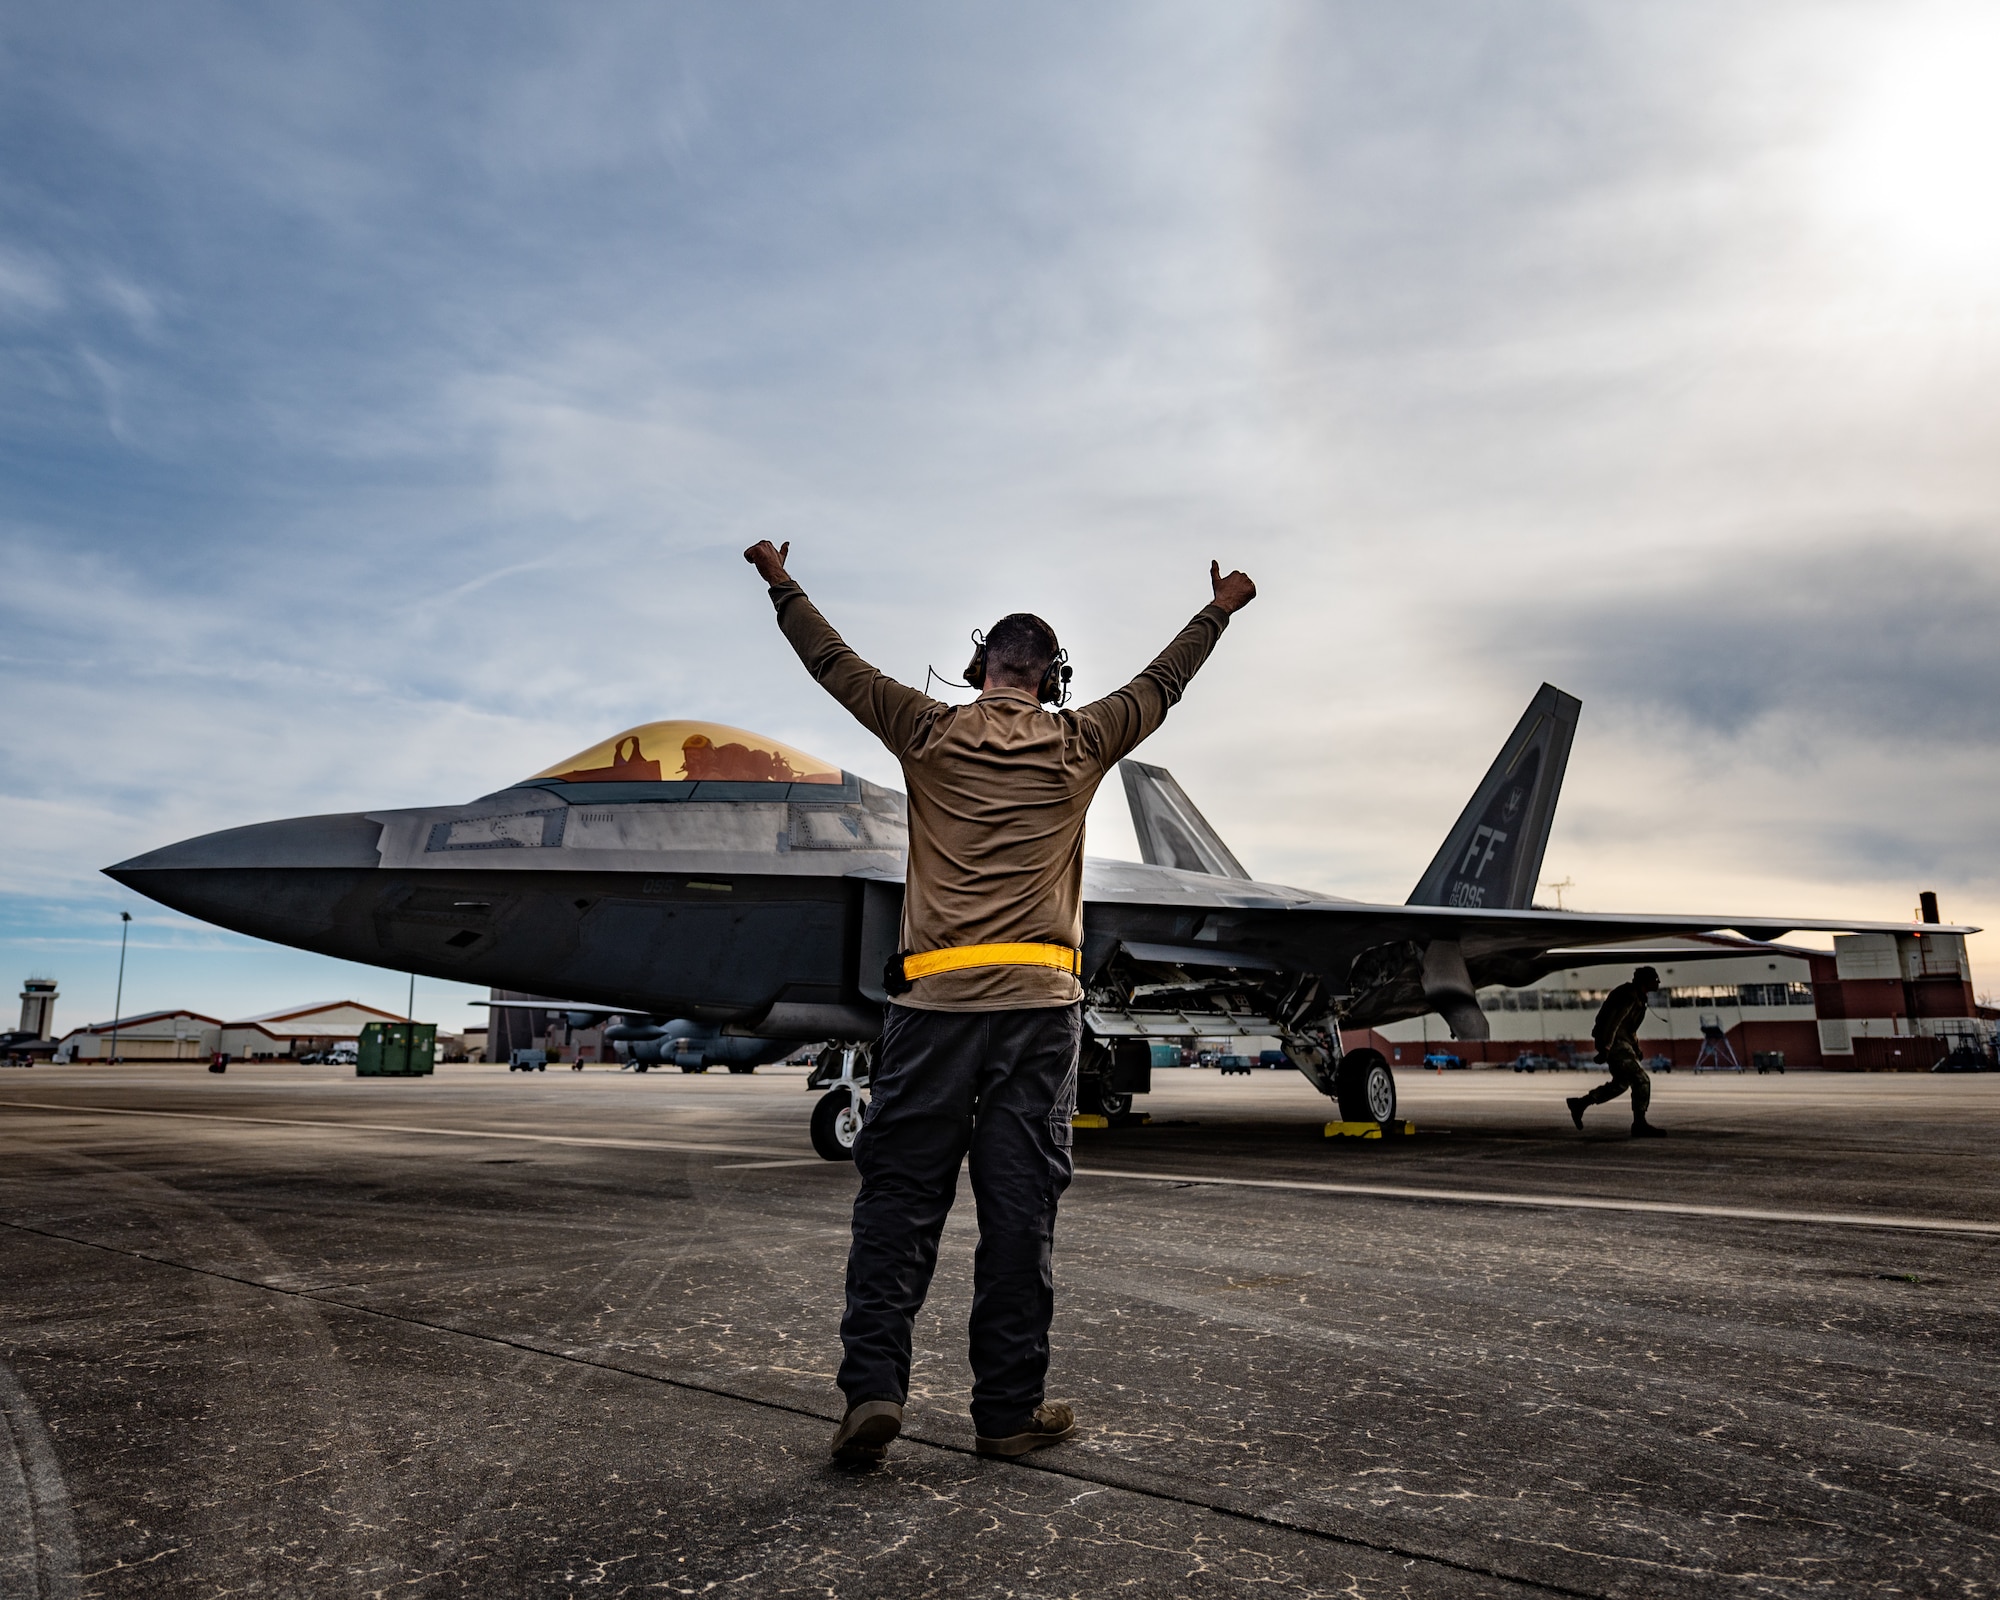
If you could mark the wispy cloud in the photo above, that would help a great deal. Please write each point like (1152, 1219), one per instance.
(473, 585)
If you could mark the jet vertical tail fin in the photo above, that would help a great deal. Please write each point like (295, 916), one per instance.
(1492, 857)
(1171, 832)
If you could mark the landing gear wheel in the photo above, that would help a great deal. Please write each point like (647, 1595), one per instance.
(835, 1122)
(1093, 1095)
(641, 1066)
(740, 1070)
(694, 1066)
(1365, 1088)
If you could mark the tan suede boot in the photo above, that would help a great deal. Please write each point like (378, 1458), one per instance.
(1053, 1422)
(865, 1432)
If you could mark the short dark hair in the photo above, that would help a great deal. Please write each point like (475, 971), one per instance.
(1021, 644)
(1646, 972)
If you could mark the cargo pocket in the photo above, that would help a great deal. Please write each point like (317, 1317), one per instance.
(1062, 1136)
(1063, 1109)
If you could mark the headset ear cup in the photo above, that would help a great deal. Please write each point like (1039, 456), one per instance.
(1054, 687)
(975, 669)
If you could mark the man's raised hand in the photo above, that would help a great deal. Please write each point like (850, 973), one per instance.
(769, 560)
(1232, 593)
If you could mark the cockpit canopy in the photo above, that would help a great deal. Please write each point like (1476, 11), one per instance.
(690, 752)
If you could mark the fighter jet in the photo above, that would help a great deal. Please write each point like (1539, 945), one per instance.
(690, 870)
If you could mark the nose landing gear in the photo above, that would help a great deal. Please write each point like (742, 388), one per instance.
(836, 1120)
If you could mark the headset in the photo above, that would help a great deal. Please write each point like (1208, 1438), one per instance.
(1052, 690)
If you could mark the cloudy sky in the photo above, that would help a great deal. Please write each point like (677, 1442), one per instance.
(388, 392)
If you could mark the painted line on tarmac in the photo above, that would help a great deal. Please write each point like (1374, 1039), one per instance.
(1378, 1191)
(586, 1356)
(584, 1140)
(1565, 1202)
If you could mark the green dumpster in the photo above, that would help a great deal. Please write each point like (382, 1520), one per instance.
(396, 1050)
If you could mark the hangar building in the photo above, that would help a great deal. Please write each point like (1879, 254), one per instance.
(1876, 1001)
(150, 1036)
(191, 1036)
(299, 1030)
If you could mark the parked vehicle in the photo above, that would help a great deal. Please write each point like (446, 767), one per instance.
(1528, 1061)
(1442, 1060)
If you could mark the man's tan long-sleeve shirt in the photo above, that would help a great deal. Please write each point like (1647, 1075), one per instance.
(998, 790)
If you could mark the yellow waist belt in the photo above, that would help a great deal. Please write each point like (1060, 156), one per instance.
(1060, 956)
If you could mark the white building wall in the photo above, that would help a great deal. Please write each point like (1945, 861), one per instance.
(178, 1038)
(1563, 1005)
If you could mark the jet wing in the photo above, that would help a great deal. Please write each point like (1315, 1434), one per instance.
(1391, 961)
(1300, 914)
(556, 1005)
(1302, 919)
(1548, 929)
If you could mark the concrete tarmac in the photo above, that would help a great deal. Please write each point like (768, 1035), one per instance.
(289, 1332)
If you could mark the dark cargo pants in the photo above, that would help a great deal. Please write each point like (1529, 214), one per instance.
(999, 1086)
(1626, 1073)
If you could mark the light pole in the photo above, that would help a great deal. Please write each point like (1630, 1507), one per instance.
(118, 1005)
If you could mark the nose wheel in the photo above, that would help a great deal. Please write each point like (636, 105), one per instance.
(835, 1122)
(836, 1119)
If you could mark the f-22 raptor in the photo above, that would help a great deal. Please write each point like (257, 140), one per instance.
(687, 870)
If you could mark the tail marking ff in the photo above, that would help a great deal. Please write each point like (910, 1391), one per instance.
(1492, 858)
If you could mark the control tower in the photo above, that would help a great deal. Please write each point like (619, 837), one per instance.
(38, 1008)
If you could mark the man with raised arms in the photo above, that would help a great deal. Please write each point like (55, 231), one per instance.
(978, 1053)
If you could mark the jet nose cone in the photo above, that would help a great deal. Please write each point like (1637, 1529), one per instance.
(346, 840)
(275, 880)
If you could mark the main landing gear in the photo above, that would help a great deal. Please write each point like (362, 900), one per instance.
(836, 1120)
(1092, 1096)
(1364, 1088)
(1109, 1072)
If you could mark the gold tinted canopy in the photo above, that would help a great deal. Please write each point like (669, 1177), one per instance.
(690, 752)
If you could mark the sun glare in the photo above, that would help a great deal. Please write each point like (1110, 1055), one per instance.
(1914, 163)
